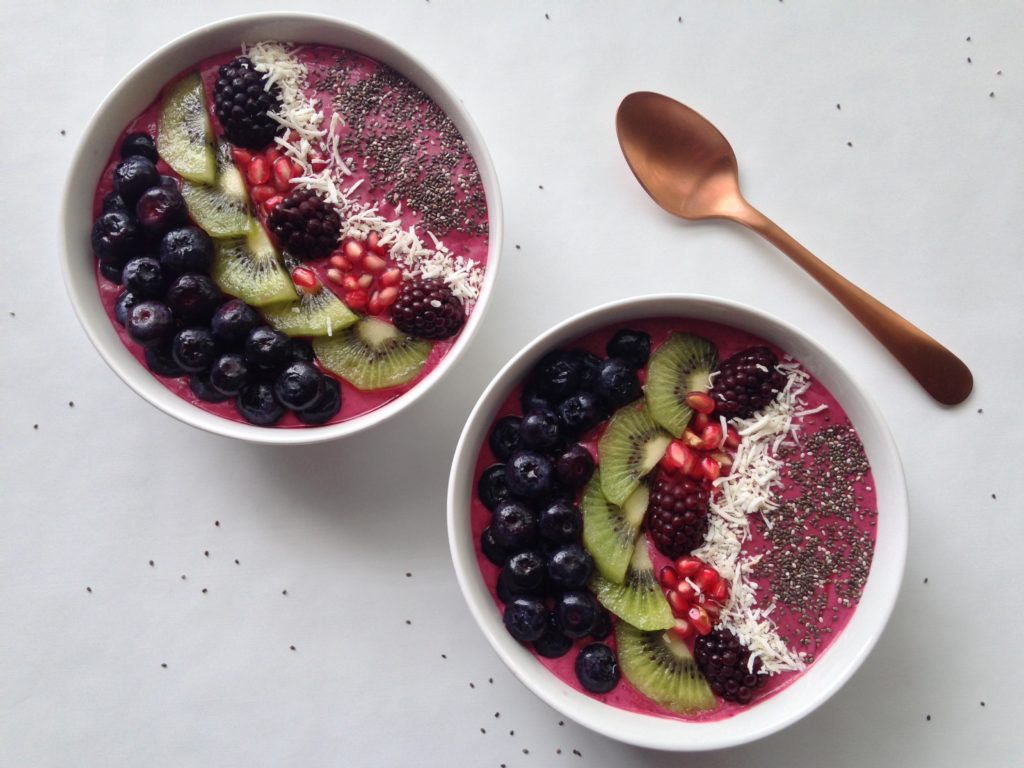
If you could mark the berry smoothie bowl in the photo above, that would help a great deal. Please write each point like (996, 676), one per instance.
(678, 521)
(281, 228)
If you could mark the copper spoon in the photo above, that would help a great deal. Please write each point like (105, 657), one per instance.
(688, 167)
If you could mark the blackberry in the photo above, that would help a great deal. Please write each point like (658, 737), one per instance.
(242, 103)
(726, 665)
(428, 309)
(747, 382)
(677, 514)
(306, 225)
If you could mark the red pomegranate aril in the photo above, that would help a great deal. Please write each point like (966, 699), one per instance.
(357, 299)
(282, 174)
(335, 276)
(698, 422)
(687, 566)
(706, 578)
(262, 192)
(272, 203)
(351, 283)
(679, 603)
(682, 628)
(271, 153)
(365, 280)
(699, 618)
(686, 592)
(732, 438)
(242, 158)
(389, 296)
(392, 277)
(719, 592)
(374, 263)
(304, 278)
(338, 262)
(354, 251)
(373, 243)
(711, 436)
(693, 440)
(375, 307)
(258, 171)
(710, 468)
(668, 578)
(701, 402)
(713, 610)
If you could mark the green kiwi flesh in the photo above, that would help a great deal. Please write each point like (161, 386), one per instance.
(372, 354)
(185, 137)
(609, 531)
(681, 365)
(250, 268)
(312, 314)
(638, 599)
(631, 446)
(660, 666)
(221, 210)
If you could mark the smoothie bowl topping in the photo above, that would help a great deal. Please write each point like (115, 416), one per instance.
(290, 235)
(674, 516)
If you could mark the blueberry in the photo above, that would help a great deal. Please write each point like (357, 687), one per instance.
(257, 404)
(569, 567)
(125, 301)
(528, 474)
(491, 488)
(552, 644)
(194, 298)
(597, 668)
(160, 360)
(111, 272)
(232, 322)
(526, 618)
(634, 347)
(505, 437)
(501, 590)
(133, 176)
(141, 145)
(160, 209)
(170, 183)
(328, 404)
(299, 386)
(114, 202)
(574, 466)
(186, 249)
(524, 572)
(144, 277)
(514, 526)
(266, 348)
(602, 625)
(576, 612)
(194, 349)
(557, 375)
(560, 523)
(229, 373)
(580, 413)
(201, 387)
(300, 350)
(532, 401)
(492, 550)
(617, 382)
(116, 237)
(539, 430)
(149, 323)
(589, 365)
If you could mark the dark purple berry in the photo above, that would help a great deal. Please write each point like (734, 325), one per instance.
(232, 321)
(580, 413)
(528, 474)
(569, 567)
(526, 618)
(133, 176)
(514, 526)
(160, 361)
(574, 466)
(557, 375)
(491, 488)
(617, 383)
(299, 386)
(576, 612)
(186, 249)
(116, 237)
(229, 373)
(634, 347)
(194, 298)
(149, 323)
(194, 349)
(560, 523)
(144, 277)
(125, 301)
(524, 572)
(201, 387)
(597, 668)
(492, 550)
(552, 644)
(266, 348)
(141, 145)
(257, 404)
(539, 430)
(505, 437)
(160, 209)
(328, 404)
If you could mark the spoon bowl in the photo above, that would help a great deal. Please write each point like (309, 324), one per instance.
(689, 168)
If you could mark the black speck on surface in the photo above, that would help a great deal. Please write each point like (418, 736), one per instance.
(216, 523)
(151, 563)
(561, 723)
(547, 17)
(483, 730)
(497, 714)
(408, 574)
(968, 38)
(993, 495)
(576, 751)
(13, 315)
(284, 591)
(63, 132)
(183, 577)
(849, 143)
(998, 72)
(471, 685)
(526, 751)
(517, 248)
(206, 553)
(236, 562)
(511, 733)
(925, 579)
(444, 655)
(291, 647)
(981, 410)
(969, 60)
(35, 426)
(982, 703)
(88, 589)
(928, 718)
(838, 106)
(540, 186)
(164, 666)
(490, 680)
(558, 750)
(408, 621)
(991, 94)
(71, 403)
(204, 590)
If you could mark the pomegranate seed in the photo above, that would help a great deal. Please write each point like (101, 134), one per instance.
(720, 591)
(317, 164)
(391, 277)
(682, 628)
(374, 263)
(258, 171)
(338, 262)
(271, 153)
(724, 459)
(375, 306)
(242, 158)
(262, 192)
(679, 457)
(699, 421)
(388, 296)
(701, 402)
(710, 468)
(373, 243)
(350, 283)
(713, 610)
(711, 436)
(334, 275)
(687, 566)
(356, 299)
(303, 277)
(699, 619)
(686, 592)
(692, 439)
(706, 578)
(354, 251)
(297, 169)
(732, 438)
(667, 577)
(272, 203)
(679, 604)
(282, 174)
(365, 280)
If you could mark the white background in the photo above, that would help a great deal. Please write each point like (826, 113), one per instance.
(925, 209)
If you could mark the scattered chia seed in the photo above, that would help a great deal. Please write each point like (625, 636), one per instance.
(838, 107)
(969, 60)
(164, 666)
(526, 751)
(483, 730)
(204, 590)
(849, 143)
(968, 38)
(471, 685)
(991, 94)
(983, 703)
(928, 718)
(236, 562)
(408, 621)
(490, 680)
(408, 575)
(206, 553)
(517, 248)
(217, 523)
(547, 17)
(71, 403)
(88, 589)
(35, 426)
(63, 132)
(998, 72)
(993, 495)
(561, 722)
(497, 714)
(576, 751)
(291, 647)
(444, 656)
(980, 410)
(284, 592)
(151, 563)
(925, 579)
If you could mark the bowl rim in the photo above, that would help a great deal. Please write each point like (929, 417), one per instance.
(314, 28)
(653, 731)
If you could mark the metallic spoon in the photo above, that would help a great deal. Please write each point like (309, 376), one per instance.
(690, 170)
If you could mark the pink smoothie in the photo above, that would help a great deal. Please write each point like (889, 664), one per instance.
(837, 531)
(339, 80)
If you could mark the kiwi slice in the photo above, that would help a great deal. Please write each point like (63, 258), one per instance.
(610, 531)
(223, 209)
(185, 138)
(681, 365)
(312, 314)
(250, 268)
(638, 599)
(631, 446)
(372, 354)
(660, 666)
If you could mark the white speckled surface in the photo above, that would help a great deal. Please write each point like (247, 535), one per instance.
(924, 209)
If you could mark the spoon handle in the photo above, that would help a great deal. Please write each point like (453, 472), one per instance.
(942, 374)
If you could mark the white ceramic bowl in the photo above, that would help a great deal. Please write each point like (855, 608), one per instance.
(136, 91)
(841, 658)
